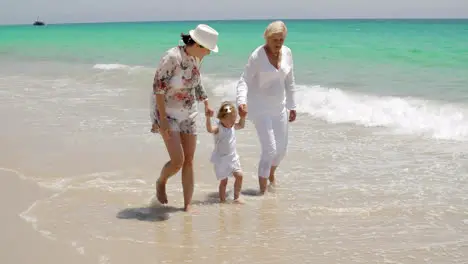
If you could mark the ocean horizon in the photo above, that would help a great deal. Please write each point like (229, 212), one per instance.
(250, 19)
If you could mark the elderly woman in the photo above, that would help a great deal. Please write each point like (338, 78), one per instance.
(267, 85)
(177, 87)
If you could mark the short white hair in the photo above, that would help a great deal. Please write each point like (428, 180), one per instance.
(275, 27)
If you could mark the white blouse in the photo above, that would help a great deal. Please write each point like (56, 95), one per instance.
(264, 88)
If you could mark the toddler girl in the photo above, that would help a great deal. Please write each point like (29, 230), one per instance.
(224, 157)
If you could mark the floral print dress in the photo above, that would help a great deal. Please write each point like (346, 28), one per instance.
(178, 79)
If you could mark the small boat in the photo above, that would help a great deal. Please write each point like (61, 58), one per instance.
(38, 22)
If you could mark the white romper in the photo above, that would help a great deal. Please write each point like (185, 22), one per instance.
(224, 156)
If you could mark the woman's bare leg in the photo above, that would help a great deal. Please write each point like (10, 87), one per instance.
(189, 143)
(176, 155)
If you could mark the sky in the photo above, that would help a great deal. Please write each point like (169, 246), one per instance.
(76, 11)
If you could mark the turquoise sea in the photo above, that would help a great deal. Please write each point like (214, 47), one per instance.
(376, 170)
(421, 59)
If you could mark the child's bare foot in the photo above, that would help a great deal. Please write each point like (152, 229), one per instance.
(239, 201)
(222, 197)
(187, 208)
(161, 192)
(154, 128)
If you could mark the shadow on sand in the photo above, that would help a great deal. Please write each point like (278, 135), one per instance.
(150, 213)
(158, 212)
(247, 192)
(250, 192)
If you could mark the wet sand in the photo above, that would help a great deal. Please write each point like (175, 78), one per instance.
(87, 164)
(20, 242)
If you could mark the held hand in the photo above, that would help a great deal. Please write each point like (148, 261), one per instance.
(208, 111)
(242, 110)
(292, 115)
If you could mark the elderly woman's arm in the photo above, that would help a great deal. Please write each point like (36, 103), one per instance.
(290, 86)
(246, 80)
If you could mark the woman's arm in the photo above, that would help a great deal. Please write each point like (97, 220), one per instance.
(161, 107)
(200, 93)
(246, 79)
(161, 84)
(202, 96)
(290, 85)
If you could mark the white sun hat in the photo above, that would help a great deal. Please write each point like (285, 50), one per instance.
(206, 36)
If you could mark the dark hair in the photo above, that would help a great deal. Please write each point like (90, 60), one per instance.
(187, 39)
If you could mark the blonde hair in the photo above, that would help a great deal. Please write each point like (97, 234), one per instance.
(275, 27)
(226, 109)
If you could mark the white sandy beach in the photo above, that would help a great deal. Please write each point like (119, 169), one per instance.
(86, 166)
(20, 242)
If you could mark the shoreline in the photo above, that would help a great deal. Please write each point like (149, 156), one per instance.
(20, 241)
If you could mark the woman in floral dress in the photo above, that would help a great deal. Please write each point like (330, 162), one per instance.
(177, 89)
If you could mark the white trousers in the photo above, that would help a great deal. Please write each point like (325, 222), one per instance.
(272, 131)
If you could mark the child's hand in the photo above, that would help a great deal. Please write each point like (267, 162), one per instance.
(209, 113)
(242, 110)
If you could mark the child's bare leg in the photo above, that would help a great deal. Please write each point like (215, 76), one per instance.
(237, 184)
(222, 190)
